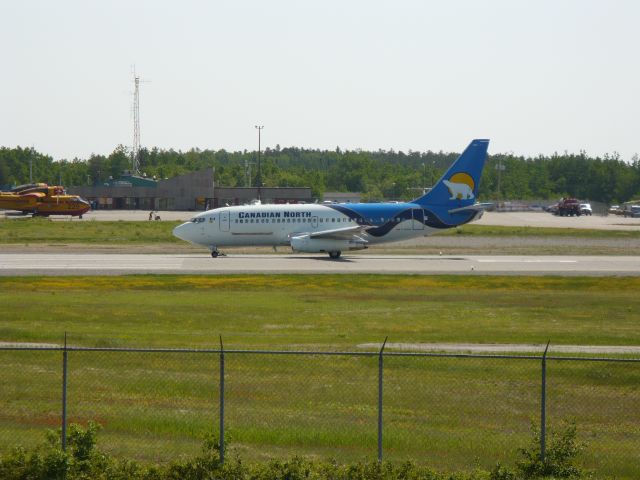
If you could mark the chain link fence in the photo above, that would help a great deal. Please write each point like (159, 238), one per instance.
(448, 411)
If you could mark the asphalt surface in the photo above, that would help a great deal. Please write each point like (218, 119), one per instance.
(122, 264)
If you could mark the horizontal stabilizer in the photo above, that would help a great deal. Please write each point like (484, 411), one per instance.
(477, 207)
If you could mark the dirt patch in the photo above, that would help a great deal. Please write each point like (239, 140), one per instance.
(503, 348)
(28, 345)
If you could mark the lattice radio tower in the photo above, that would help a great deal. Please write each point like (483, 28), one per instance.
(135, 152)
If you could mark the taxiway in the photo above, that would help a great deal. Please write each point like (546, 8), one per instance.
(125, 264)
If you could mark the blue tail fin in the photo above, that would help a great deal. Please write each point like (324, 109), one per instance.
(458, 187)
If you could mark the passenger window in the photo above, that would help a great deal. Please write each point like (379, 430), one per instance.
(333, 220)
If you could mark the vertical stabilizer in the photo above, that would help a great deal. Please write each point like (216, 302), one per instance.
(459, 186)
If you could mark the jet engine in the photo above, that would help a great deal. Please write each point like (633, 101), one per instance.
(304, 243)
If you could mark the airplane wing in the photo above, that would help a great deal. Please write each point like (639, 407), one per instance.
(345, 233)
(33, 195)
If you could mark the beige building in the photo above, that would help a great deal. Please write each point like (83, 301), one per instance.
(342, 197)
(193, 191)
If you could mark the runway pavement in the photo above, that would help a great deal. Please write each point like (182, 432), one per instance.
(122, 264)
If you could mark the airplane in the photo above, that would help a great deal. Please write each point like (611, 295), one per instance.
(43, 200)
(337, 227)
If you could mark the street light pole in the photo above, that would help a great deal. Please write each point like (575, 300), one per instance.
(259, 179)
(500, 167)
(433, 173)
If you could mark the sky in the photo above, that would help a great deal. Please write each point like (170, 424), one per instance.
(535, 77)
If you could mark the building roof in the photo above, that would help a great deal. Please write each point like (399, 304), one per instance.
(132, 181)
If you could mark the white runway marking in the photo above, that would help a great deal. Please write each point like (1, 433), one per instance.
(534, 260)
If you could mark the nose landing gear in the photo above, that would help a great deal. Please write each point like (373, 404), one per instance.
(215, 253)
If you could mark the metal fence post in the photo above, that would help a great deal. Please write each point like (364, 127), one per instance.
(64, 394)
(221, 401)
(380, 364)
(543, 405)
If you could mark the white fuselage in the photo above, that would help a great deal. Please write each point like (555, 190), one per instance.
(274, 225)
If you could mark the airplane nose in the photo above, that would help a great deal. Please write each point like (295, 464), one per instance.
(181, 232)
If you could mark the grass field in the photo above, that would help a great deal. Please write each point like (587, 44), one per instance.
(42, 230)
(321, 311)
(444, 412)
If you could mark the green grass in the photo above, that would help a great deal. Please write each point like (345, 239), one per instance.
(319, 311)
(443, 412)
(42, 230)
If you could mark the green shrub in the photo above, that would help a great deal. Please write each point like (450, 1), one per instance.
(560, 455)
(82, 460)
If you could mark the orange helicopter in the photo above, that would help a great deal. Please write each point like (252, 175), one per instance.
(43, 200)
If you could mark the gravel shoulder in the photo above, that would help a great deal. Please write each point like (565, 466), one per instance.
(504, 348)
(496, 348)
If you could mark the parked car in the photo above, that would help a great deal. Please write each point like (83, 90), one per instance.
(632, 211)
(585, 209)
(615, 210)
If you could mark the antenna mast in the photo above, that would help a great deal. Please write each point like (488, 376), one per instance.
(135, 152)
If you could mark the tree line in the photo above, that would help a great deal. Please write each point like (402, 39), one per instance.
(377, 175)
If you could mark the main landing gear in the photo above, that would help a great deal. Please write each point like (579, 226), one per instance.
(335, 254)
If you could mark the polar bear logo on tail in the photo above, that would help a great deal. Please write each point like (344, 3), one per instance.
(460, 191)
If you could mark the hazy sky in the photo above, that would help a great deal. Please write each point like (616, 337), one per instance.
(533, 76)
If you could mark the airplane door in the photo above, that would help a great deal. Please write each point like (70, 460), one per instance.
(314, 222)
(418, 219)
(224, 221)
